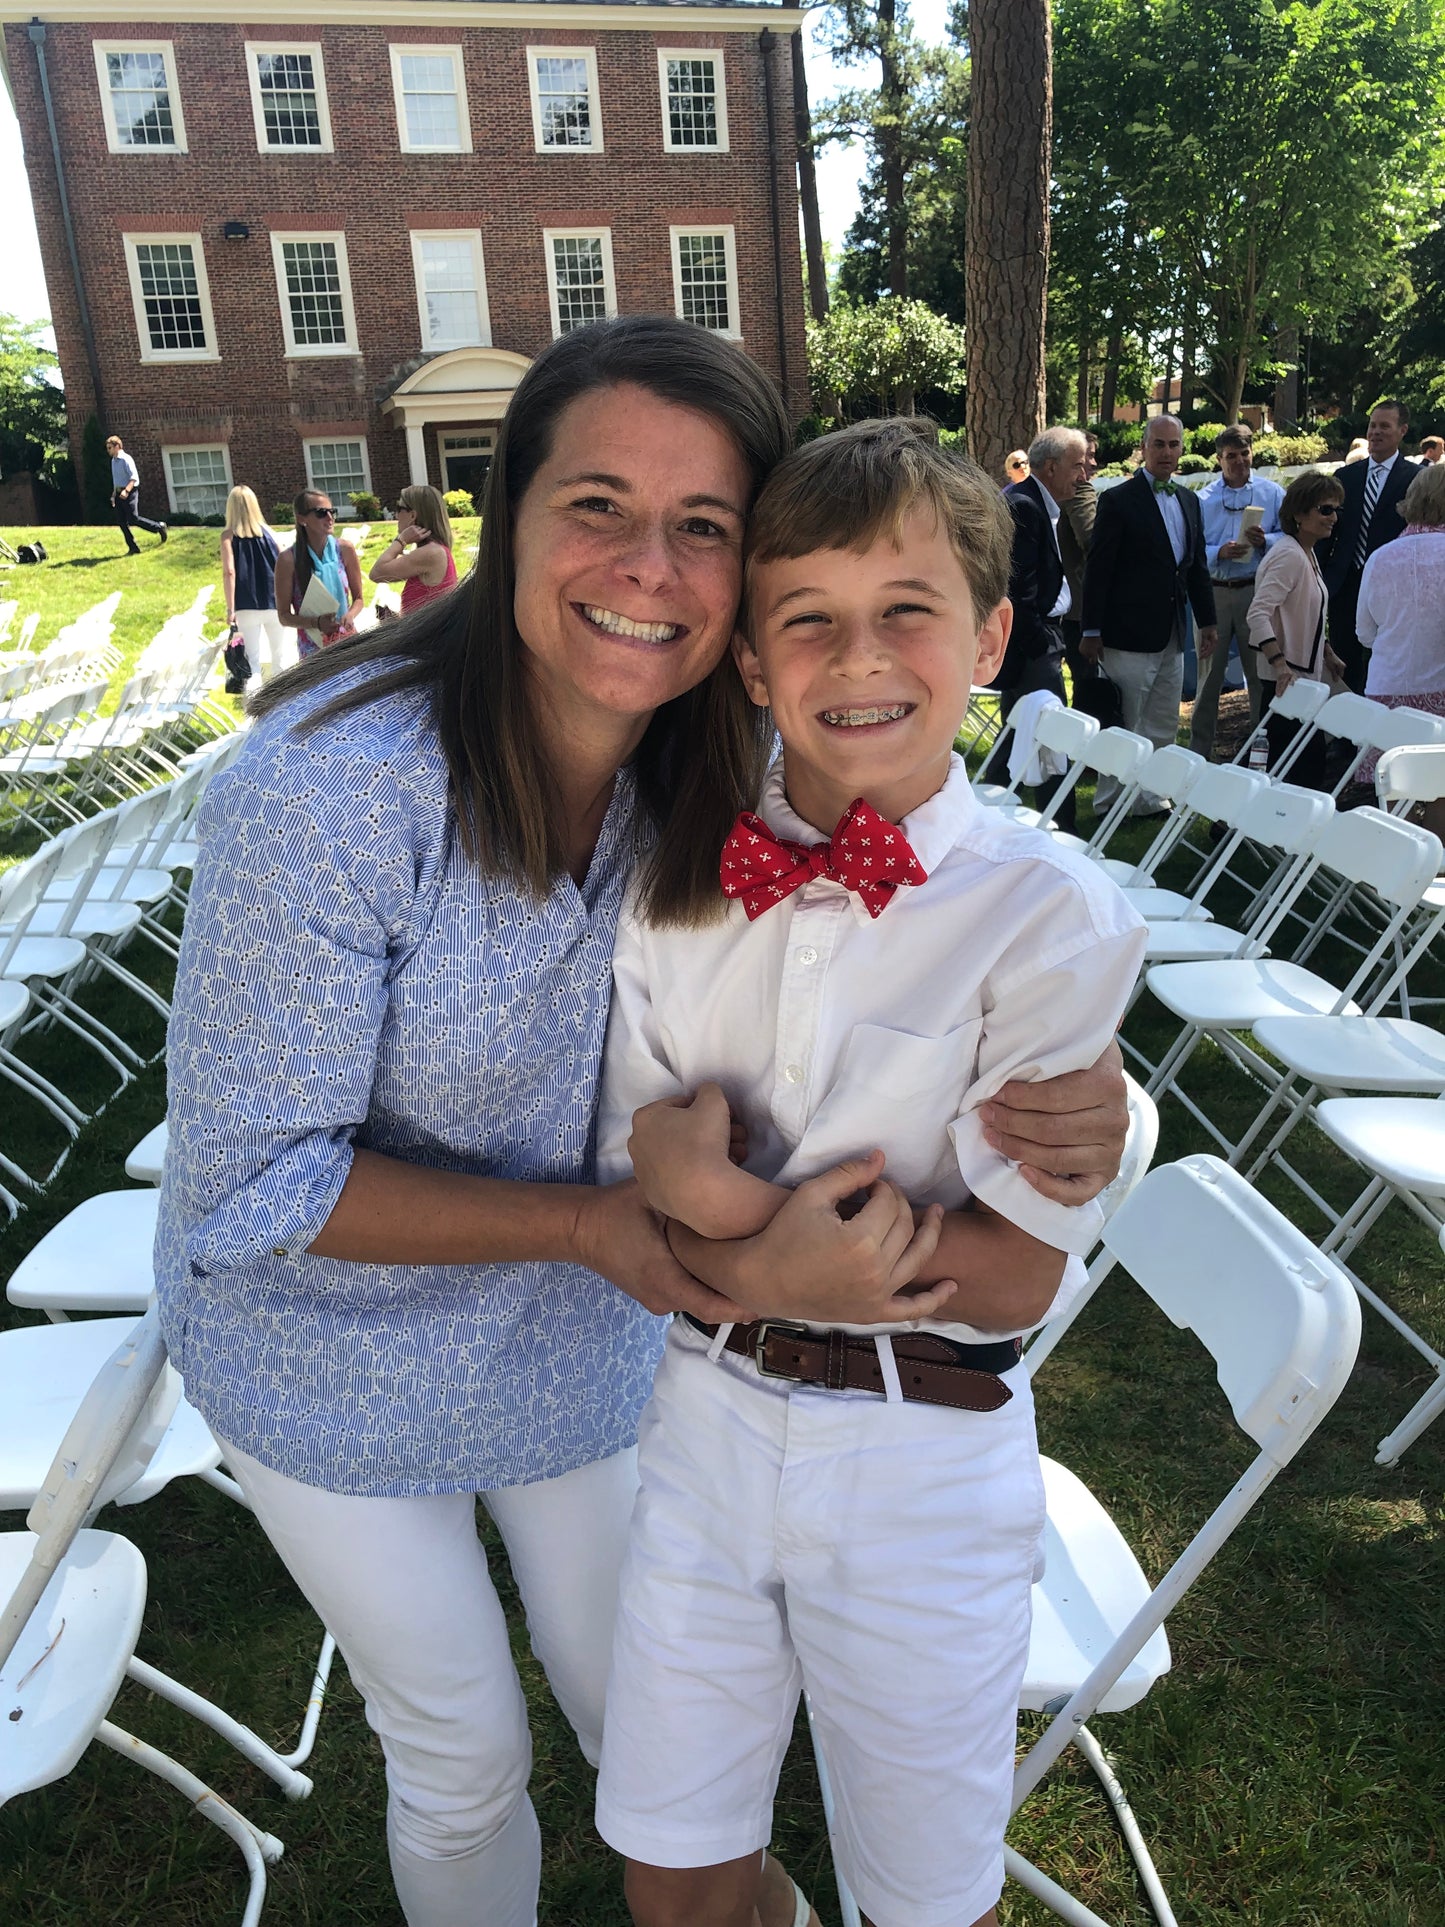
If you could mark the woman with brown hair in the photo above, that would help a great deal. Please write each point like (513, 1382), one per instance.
(335, 566)
(386, 1271)
(419, 555)
(1287, 614)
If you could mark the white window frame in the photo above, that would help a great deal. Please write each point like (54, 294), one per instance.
(473, 236)
(594, 98)
(188, 448)
(254, 49)
(609, 284)
(715, 55)
(166, 49)
(211, 351)
(345, 512)
(730, 254)
(304, 351)
(430, 49)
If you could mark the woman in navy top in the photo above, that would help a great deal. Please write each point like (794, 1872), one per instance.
(248, 576)
(385, 1269)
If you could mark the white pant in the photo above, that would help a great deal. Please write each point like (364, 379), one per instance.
(403, 1585)
(1150, 685)
(270, 646)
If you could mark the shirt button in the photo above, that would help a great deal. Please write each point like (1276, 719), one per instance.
(794, 1073)
(807, 955)
(279, 1251)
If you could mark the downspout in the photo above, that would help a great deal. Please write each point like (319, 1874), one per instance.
(765, 49)
(37, 40)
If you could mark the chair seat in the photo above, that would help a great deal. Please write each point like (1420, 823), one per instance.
(1399, 1138)
(1080, 844)
(147, 1159)
(92, 919)
(1187, 939)
(1091, 1588)
(48, 957)
(70, 1678)
(1165, 906)
(1122, 872)
(1236, 993)
(45, 1372)
(14, 1002)
(141, 886)
(1358, 1053)
(98, 1258)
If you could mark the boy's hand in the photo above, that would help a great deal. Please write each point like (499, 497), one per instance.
(813, 1264)
(685, 1154)
(1065, 1133)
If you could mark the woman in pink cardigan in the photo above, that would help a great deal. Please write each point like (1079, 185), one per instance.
(1287, 613)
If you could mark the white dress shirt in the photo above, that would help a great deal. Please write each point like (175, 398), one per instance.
(1064, 601)
(1401, 615)
(832, 1033)
(1170, 507)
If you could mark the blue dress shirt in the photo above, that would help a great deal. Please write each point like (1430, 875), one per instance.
(1223, 510)
(349, 977)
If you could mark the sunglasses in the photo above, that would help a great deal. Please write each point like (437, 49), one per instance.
(323, 515)
(1328, 508)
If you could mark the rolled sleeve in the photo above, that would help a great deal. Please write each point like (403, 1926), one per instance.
(303, 895)
(1058, 1018)
(635, 1065)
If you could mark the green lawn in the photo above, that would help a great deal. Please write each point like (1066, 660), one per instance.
(1289, 1771)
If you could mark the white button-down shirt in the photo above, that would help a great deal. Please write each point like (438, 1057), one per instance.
(1168, 504)
(1064, 601)
(832, 1032)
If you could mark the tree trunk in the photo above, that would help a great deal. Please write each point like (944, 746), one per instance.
(1081, 408)
(1113, 349)
(1286, 388)
(1167, 403)
(1186, 361)
(808, 188)
(890, 148)
(1006, 262)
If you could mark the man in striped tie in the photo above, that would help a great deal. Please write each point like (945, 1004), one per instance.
(1367, 521)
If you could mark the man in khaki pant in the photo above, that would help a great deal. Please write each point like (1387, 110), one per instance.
(1232, 556)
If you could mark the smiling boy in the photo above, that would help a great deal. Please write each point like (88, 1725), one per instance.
(846, 1495)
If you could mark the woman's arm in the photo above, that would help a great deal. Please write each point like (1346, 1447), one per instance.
(228, 577)
(281, 579)
(351, 563)
(398, 562)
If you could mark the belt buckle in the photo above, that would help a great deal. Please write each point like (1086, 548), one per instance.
(761, 1336)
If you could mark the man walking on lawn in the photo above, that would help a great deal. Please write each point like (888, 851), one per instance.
(125, 496)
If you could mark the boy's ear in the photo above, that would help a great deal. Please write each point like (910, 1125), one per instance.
(750, 669)
(993, 634)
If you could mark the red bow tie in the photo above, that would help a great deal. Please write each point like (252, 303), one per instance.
(866, 853)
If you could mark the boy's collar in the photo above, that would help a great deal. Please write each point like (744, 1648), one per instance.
(932, 829)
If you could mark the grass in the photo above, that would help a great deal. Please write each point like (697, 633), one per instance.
(1287, 1772)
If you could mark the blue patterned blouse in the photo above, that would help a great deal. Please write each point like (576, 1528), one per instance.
(348, 977)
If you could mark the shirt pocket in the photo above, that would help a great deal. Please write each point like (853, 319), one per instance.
(899, 1092)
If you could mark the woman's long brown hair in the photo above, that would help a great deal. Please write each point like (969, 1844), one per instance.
(703, 755)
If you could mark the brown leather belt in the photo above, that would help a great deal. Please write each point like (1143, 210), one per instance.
(931, 1369)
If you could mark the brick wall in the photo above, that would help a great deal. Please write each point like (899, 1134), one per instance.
(260, 403)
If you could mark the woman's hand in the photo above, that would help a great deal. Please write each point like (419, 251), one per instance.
(1066, 1134)
(813, 1264)
(1284, 675)
(621, 1238)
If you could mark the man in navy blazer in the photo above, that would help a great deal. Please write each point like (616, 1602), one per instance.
(1146, 564)
(1381, 481)
(1038, 588)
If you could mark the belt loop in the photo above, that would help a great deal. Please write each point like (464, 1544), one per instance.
(888, 1366)
(836, 1372)
(716, 1348)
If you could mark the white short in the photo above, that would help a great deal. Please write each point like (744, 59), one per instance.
(879, 1554)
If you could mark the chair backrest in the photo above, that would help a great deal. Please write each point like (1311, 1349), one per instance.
(1223, 791)
(1281, 1321)
(1068, 732)
(1354, 718)
(83, 848)
(1399, 728)
(1301, 702)
(1119, 753)
(1140, 1143)
(21, 889)
(1287, 817)
(1414, 773)
(1398, 860)
(1173, 771)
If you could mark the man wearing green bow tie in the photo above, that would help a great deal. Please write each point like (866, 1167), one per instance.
(1146, 565)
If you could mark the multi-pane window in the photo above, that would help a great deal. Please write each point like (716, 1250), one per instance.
(451, 289)
(171, 298)
(138, 91)
(288, 98)
(579, 274)
(704, 276)
(565, 111)
(314, 286)
(340, 469)
(431, 100)
(694, 104)
(199, 479)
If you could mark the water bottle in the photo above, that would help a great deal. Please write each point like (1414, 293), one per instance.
(1259, 750)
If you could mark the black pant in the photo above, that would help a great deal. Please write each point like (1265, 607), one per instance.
(1040, 672)
(1309, 769)
(128, 516)
(1343, 639)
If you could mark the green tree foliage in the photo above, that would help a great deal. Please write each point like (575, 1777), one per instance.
(32, 407)
(872, 359)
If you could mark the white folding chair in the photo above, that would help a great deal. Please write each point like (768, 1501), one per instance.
(147, 1161)
(1112, 752)
(1300, 703)
(74, 1598)
(1170, 773)
(99, 1258)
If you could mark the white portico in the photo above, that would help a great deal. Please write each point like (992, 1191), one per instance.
(466, 390)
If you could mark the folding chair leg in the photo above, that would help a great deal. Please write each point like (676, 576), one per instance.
(256, 1847)
(1133, 1839)
(296, 1786)
(1056, 1898)
(1421, 1415)
(847, 1905)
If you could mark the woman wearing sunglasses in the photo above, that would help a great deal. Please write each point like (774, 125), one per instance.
(316, 552)
(1287, 615)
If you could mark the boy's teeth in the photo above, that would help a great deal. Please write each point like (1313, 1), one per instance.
(857, 718)
(616, 625)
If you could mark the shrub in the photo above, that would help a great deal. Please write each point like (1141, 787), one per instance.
(953, 438)
(188, 519)
(1115, 468)
(1289, 451)
(459, 502)
(282, 515)
(1200, 440)
(208, 521)
(1192, 464)
(1341, 430)
(367, 505)
(1117, 439)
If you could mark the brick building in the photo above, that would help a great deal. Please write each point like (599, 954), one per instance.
(290, 245)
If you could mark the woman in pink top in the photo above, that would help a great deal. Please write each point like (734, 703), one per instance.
(419, 556)
(1287, 613)
(1401, 616)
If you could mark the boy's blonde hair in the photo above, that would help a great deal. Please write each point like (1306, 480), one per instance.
(849, 488)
